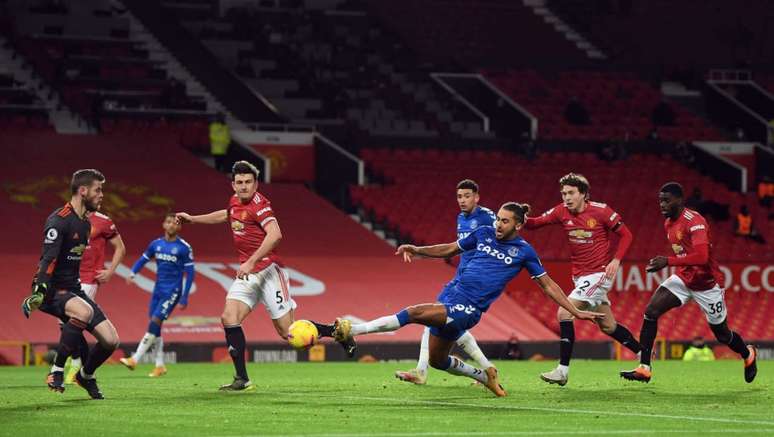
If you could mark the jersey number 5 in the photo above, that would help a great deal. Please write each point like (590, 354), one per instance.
(279, 296)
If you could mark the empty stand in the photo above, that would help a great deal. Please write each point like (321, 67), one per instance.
(103, 74)
(477, 33)
(728, 34)
(619, 105)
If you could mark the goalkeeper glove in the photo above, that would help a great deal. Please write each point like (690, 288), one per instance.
(33, 301)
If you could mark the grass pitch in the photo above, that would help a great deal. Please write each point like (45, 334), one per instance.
(351, 399)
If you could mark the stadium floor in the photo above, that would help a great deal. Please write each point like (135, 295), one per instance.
(351, 399)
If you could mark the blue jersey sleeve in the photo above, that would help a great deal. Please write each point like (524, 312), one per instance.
(470, 242)
(146, 256)
(188, 267)
(488, 217)
(532, 264)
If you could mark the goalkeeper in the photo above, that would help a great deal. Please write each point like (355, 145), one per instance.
(56, 288)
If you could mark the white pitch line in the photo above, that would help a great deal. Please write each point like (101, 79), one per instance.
(563, 410)
(545, 409)
(519, 433)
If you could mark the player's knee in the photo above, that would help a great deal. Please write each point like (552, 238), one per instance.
(114, 342)
(652, 313)
(228, 318)
(563, 315)
(607, 328)
(415, 312)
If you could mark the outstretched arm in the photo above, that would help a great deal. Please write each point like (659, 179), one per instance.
(213, 218)
(554, 291)
(447, 250)
(538, 222)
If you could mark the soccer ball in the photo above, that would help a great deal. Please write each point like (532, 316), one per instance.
(302, 334)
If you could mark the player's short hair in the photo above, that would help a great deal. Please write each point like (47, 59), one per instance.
(84, 178)
(672, 188)
(576, 180)
(244, 167)
(519, 210)
(468, 184)
(170, 214)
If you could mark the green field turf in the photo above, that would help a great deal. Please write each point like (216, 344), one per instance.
(351, 399)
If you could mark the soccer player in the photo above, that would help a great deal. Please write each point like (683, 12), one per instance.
(56, 288)
(174, 257)
(93, 272)
(260, 278)
(696, 278)
(471, 217)
(499, 254)
(588, 226)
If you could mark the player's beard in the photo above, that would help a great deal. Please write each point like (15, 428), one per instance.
(91, 204)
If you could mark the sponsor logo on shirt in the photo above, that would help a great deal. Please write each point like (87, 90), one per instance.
(678, 249)
(77, 252)
(237, 226)
(494, 253)
(580, 234)
(696, 228)
(166, 257)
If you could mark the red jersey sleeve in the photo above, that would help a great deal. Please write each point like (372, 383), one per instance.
(610, 218)
(698, 231)
(265, 214)
(109, 231)
(549, 217)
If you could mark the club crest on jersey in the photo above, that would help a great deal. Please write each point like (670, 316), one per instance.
(174, 251)
(473, 224)
(590, 223)
(513, 251)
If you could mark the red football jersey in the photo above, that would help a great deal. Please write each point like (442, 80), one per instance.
(102, 230)
(684, 234)
(247, 224)
(588, 233)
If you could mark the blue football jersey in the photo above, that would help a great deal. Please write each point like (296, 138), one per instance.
(466, 224)
(493, 264)
(173, 258)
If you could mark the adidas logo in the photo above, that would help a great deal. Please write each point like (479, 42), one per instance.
(282, 307)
